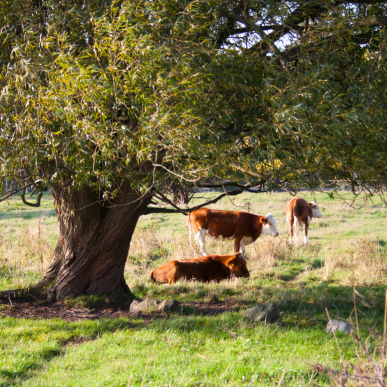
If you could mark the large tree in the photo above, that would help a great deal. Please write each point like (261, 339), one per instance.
(107, 103)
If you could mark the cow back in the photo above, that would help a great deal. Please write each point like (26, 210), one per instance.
(300, 208)
(229, 224)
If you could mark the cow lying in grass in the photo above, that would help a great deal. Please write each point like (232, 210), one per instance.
(298, 210)
(243, 227)
(208, 268)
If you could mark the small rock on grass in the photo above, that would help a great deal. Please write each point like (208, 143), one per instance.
(337, 325)
(212, 298)
(153, 305)
(265, 312)
(170, 305)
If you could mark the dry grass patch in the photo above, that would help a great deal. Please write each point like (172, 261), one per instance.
(266, 252)
(364, 262)
(27, 253)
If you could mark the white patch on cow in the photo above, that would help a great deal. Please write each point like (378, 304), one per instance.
(247, 241)
(270, 228)
(316, 211)
(200, 237)
(309, 219)
(306, 240)
(211, 236)
(244, 242)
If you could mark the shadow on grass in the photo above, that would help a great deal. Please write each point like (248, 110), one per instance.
(24, 372)
(302, 308)
(382, 243)
(69, 334)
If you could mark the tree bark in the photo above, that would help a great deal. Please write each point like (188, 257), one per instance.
(93, 242)
(181, 195)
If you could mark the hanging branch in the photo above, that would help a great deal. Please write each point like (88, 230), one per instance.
(23, 197)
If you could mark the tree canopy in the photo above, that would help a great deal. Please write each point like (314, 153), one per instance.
(259, 93)
(110, 102)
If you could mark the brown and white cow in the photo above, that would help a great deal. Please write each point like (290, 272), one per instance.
(209, 268)
(244, 227)
(298, 210)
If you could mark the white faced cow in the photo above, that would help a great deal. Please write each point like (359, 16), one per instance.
(299, 210)
(244, 227)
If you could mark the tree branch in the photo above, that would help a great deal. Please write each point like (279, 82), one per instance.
(154, 210)
(23, 197)
(166, 200)
(13, 192)
(259, 30)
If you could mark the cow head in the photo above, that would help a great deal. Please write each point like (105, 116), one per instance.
(269, 225)
(316, 211)
(238, 267)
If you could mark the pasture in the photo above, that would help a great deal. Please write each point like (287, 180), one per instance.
(209, 343)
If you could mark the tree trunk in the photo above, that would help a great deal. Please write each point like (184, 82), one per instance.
(181, 195)
(93, 242)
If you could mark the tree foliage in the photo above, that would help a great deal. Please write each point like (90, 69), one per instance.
(208, 93)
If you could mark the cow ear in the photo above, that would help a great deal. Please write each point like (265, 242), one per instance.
(238, 255)
(263, 220)
(312, 205)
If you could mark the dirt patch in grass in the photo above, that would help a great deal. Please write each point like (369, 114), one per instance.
(50, 310)
(213, 308)
(75, 340)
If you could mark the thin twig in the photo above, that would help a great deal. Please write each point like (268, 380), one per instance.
(354, 301)
(334, 334)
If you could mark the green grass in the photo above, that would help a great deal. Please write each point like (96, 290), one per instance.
(347, 249)
(184, 351)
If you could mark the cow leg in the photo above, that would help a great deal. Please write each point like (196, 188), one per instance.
(306, 233)
(237, 246)
(245, 242)
(290, 223)
(296, 229)
(242, 249)
(201, 239)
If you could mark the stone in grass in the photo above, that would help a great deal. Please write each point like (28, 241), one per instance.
(153, 305)
(148, 305)
(212, 299)
(337, 325)
(265, 312)
(170, 305)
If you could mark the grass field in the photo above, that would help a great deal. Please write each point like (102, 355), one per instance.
(347, 250)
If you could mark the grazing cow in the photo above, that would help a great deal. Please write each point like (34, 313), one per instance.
(299, 211)
(244, 227)
(209, 268)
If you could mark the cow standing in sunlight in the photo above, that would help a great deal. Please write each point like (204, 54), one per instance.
(298, 210)
(243, 227)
